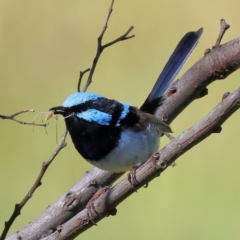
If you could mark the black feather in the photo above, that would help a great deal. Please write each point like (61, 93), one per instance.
(92, 140)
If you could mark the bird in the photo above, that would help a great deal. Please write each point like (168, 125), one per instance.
(116, 136)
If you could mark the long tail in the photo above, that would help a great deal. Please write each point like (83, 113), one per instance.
(171, 69)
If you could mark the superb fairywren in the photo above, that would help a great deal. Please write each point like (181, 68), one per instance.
(115, 136)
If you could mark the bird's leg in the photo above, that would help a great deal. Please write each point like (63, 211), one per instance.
(132, 175)
(171, 138)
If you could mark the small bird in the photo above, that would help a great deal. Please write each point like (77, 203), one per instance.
(115, 136)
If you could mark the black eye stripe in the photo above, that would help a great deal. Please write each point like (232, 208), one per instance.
(111, 107)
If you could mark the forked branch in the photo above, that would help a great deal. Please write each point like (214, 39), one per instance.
(12, 117)
(101, 47)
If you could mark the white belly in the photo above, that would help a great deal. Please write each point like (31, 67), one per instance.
(133, 148)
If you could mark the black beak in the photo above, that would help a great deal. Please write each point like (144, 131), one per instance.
(55, 110)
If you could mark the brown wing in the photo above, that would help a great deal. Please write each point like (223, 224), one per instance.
(146, 118)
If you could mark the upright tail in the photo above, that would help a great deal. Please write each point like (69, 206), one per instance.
(171, 69)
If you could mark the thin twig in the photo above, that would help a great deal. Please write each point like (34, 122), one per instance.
(223, 28)
(105, 26)
(37, 183)
(12, 117)
(80, 78)
(101, 47)
(122, 38)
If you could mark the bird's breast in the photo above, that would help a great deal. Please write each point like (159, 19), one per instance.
(132, 148)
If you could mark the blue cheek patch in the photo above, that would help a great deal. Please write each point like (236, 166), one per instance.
(80, 97)
(124, 113)
(93, 115)
(102, 118)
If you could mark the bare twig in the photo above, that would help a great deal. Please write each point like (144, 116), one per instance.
(37, 183)
(105, 26)
(101, 47)
(12, 117)
(223, 28)
(122, 38)
(80, 78)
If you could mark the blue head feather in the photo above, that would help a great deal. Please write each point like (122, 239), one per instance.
(79, 97)
(93, 115)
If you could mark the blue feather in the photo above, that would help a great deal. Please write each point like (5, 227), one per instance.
(103, 130)
(175, 63)
(172, 67)
(80, 97)
(94, 115)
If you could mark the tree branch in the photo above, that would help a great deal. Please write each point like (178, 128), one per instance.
(216, 64)
(152, 168)
(223, 28)
(80, 78)
(101, 47)
(12, 117)
(37, 183)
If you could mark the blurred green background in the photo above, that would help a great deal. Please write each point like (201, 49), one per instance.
(43, 46)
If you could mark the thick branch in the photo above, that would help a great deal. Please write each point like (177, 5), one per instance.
(152, 168)
(216, 64)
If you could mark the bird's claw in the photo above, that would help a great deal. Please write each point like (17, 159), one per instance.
(91, 210)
